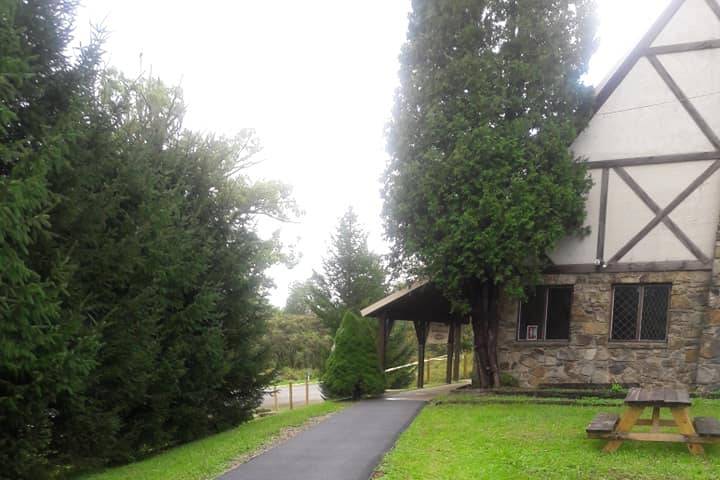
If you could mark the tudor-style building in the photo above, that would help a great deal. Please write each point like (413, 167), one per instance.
(637, 300)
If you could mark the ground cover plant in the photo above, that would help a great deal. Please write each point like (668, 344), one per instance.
(528, 440)
(208, 457)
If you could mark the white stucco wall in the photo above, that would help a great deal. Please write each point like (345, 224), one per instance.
(643, 118)
(573, 250)
(694, 22)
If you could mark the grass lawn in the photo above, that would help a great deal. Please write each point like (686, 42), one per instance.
(530, 441)
(208, 457)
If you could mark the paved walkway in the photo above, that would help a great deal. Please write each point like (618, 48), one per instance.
(347, 446)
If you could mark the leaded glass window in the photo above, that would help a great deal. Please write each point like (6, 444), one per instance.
(640, 312)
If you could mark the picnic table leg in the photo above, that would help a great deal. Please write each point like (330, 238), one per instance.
(656, 420)
(682, 419)
(627, 422)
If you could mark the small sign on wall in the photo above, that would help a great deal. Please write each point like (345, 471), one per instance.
(532, 332)
(438, 334)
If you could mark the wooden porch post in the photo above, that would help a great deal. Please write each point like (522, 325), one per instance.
(381, 344)
(450, 352)
(385, 326)
(421, 330)
(458, 351)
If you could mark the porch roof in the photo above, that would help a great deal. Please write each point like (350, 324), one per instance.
(419, 301)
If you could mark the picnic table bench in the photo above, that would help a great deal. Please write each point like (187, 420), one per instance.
(618, 428)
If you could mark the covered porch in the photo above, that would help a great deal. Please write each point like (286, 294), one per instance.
(422, 304)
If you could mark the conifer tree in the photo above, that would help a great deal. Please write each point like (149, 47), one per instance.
(481, 183)
(43, 349)
(353, 368)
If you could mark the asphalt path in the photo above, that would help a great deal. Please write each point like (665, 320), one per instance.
(347, 446)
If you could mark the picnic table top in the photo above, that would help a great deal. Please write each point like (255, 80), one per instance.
(658, 397)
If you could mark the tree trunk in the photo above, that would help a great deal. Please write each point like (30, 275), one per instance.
(493, 323)
(485, 322)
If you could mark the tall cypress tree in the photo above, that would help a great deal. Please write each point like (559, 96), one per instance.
(481, 183)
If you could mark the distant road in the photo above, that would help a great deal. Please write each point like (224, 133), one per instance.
(298, 395)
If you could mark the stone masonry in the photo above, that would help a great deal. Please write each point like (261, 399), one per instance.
(590, 357)
(708, 370)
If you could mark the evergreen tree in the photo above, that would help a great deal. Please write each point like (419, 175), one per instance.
(44, 352)
(481, 183)
(352, 278)
(352, 370)
(171, 272)
(298, 299)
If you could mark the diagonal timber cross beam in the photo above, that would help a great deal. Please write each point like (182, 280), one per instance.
(714, 6)
(672, 226)
(662, 214)
(689, 107)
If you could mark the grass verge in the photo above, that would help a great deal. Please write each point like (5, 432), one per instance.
(535, 441)
(210, 456)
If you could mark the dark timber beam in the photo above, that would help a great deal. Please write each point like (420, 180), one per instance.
(684, 47)
(450, 352)
(421, 332)
(670, 266)
(458, 351)
(714, 6)
(381, 341)
(672, 226)
(653, 160)
(600, 253)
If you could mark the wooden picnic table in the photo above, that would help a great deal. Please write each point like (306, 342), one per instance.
(617, 429)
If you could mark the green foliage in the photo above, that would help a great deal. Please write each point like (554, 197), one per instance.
(401, 349)
(170, 270)
(132, 287)
(44, 352)
(481, 183)
(352, 278)
(617, 388)
(298, 342)
(353, 368)
(507, 380)
(298, 299)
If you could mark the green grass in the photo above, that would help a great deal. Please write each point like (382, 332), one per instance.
(535, 441)
(208, 457)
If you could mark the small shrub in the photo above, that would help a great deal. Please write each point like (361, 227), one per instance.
(617, 388)
(353, 368)
(507, 380)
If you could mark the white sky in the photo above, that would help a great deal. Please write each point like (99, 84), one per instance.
(315, 78)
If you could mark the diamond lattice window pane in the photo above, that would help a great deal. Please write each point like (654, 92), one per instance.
(655, 310)
(625, 311)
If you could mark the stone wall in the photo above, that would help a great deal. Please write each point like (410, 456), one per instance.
(708, 370)
(589, 356)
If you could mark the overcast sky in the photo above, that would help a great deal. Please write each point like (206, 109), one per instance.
(315, 78)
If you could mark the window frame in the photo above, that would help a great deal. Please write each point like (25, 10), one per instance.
(639, 313)
(544, 338)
